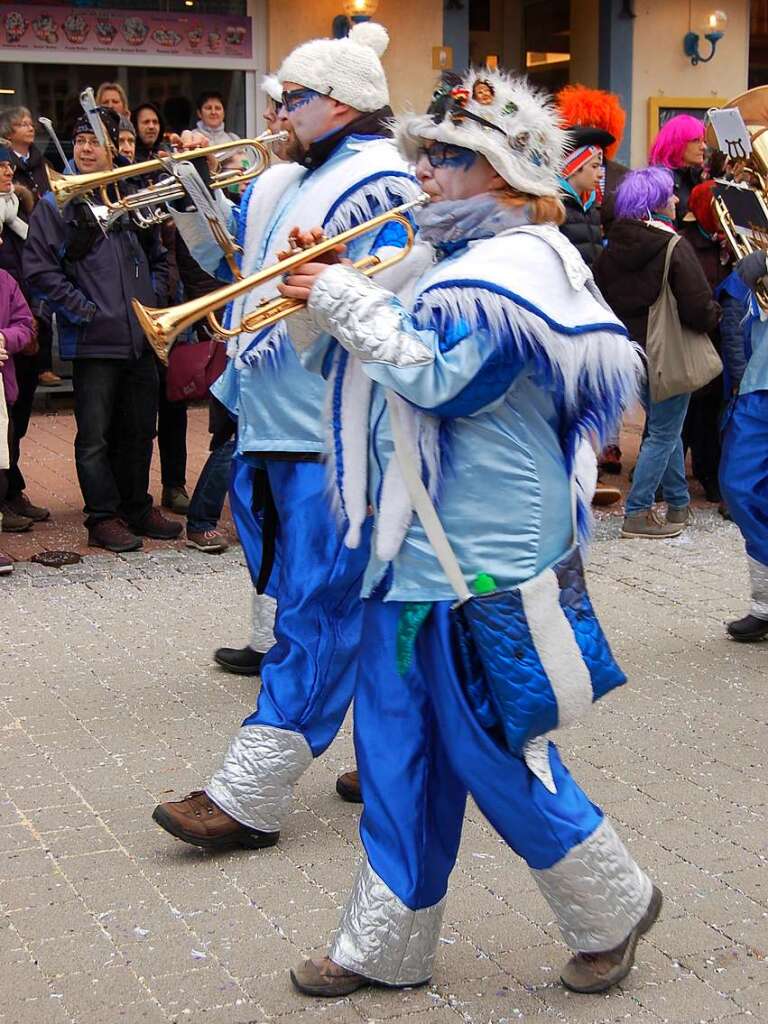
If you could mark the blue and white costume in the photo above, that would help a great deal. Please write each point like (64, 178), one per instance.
(308, 675)
(505, 356)
(744, 463)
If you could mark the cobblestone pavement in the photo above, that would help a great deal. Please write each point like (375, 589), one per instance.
(109, 703)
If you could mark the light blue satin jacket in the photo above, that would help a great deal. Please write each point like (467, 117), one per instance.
(507, 435)
(277, 403)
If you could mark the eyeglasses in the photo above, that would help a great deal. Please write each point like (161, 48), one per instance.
(23, 124)
(297, 98)
(443, 154)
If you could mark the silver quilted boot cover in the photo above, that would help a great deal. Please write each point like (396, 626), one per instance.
(382, 939)
(758, 577)
(597, 892)
(255, 783)
(262, 622)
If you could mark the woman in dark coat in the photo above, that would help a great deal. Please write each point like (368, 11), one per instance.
(629, 273)
(680, 147)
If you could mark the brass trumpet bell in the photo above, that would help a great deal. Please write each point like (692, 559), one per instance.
(162, 326)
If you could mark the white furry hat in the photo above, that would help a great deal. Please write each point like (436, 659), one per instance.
(513, 124)
(270, 84)
(348, 70)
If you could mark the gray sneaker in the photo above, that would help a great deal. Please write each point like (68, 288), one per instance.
(682, 515)
(650, 525)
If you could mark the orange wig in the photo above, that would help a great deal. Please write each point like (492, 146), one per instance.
(594, 108)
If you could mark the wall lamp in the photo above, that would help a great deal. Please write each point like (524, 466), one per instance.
(354, 11)
(715, 30)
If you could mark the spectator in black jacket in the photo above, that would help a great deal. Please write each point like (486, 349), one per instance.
(630, 273)
(582, 170)
(89, 275)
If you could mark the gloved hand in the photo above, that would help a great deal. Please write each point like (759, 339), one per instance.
(9, 207)
(752, 268)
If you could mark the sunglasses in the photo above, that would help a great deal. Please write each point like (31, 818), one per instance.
(444, 154)
(297, 98)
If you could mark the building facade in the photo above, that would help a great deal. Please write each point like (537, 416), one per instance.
(167, 51)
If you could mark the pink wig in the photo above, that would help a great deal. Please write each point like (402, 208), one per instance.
(668, 149)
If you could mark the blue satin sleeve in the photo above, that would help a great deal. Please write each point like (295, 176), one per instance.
(470, 372)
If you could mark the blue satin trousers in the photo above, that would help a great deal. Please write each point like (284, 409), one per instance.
(308, 676)
(420, 750)
(744, 471)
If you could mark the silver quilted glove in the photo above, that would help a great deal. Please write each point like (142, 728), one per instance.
(365, 319)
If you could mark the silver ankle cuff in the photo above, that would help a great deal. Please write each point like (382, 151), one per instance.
(255, 783)
(597, 892)
(758, 578)
(382, 939)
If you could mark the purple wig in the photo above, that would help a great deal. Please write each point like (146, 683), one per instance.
(641, 192)
(670, 143)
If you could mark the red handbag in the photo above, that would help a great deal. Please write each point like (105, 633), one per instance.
(192, 369)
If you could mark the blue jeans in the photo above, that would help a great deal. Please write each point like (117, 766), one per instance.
(211, 489)
(661, 459)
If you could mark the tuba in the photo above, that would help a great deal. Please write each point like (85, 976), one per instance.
(162, 326)
(741, 208)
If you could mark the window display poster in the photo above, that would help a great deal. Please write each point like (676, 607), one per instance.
(95, 30)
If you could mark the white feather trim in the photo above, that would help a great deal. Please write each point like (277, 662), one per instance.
(596, 364)
(355, 408)
(360, 207)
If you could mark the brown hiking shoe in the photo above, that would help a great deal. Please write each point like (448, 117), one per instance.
(605, 496)
(348, 787)
(12, 522)
(198, 820)
(596, 972)
(326, 978)
(213, 542)
(650, 525)
(155, 525)
(113, 535)
(22, 506)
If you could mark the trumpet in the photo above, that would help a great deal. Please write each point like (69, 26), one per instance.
(162, 326)
(66, 187)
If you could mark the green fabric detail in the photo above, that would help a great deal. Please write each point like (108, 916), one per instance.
(412, 617)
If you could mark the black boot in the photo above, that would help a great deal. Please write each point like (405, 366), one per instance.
(748, 630)
(242, 661)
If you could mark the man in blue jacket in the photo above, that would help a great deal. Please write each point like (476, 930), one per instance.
(87, 274)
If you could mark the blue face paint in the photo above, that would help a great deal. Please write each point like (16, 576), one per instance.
(298, 98)
(442, 154)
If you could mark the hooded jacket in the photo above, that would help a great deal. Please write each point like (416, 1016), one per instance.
(88, 279)
(630, 270)
(17, 325)
(143, 152)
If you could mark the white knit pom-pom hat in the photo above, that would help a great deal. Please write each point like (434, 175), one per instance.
(270, 84)
(348, 70)
(512, 123)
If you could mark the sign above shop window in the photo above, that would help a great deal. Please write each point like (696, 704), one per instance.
(26, 26)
